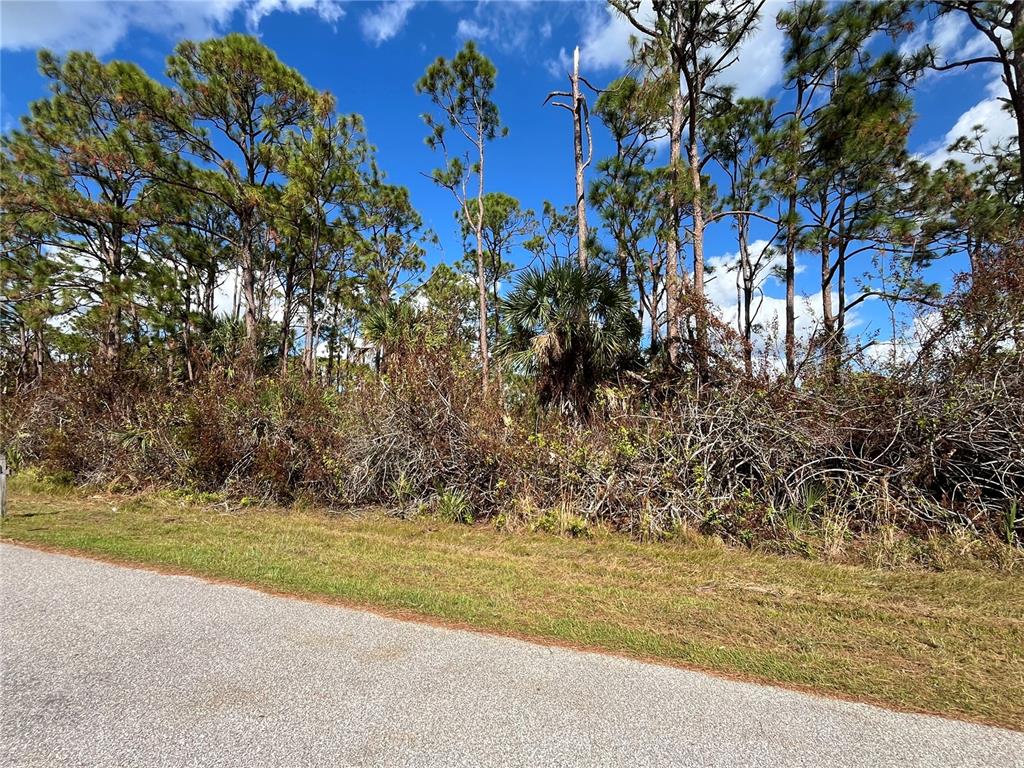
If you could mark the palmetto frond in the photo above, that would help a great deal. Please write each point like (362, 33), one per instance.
(570, 327)
(389, 324)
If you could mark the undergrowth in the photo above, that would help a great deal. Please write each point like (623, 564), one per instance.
(875, 471)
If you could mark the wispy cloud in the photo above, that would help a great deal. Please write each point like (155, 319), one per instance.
(990, 115)
(949, 36)
(386, 20)
(99, 25)
(605, 45)
(505, 25)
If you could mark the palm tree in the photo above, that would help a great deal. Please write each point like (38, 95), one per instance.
(390, 327)
(570, 327)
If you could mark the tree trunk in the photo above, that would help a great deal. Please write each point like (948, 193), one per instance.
(497, 315)
(23, 353)
(312, 331)
(39, 354)
(481, 278)
(791, 233)
(111, 337)
(284, 344)
(791, 288)
(332, 341)
(654, 300)
(210, 291)
(622, 247)
(828, 319)
(702, 350)
(1013, 78)
(672, 246)
(839, 337)
(186, 337)
(578, 117)
(1017, 101)
(249, 292)
(746, 294)
(236, 296)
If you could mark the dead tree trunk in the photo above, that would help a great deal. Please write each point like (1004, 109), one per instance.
(577, 106)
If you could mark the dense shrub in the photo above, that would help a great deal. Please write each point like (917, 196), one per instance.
(749, 464)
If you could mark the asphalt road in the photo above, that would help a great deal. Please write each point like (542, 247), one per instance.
(109, 666)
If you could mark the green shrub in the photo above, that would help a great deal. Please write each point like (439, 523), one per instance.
(562, 523)
(452, 507)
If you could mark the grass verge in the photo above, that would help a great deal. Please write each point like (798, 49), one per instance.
(950, 643)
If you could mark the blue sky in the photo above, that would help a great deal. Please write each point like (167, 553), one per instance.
(369, 55)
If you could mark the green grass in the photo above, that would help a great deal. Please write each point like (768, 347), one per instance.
(950, 643)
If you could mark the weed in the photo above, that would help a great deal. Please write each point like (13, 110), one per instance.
(1012, 522)
(561, 522)
(452, 507)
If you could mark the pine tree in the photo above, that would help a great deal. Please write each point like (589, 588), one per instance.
(234, 106)
(505, 222)
(627, 192)
(694, 41)
(75, 173)
(461, 92)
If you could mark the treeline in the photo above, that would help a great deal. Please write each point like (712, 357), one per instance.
(233, 226)
(128, 206)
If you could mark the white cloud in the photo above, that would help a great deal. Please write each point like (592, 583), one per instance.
(949, 35)
(60, 25)
(757, 70)
(721, 289)
(561, 66)
(606, 36)
(759, 65)
(386, 21)
(99, 25)
(506, 25)
(471, 29)
(902, 349)
(770, 310)
(947, 31)
(330, 11)
(891, 352)
(998, 126)
(954, 39)
(225, 293)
